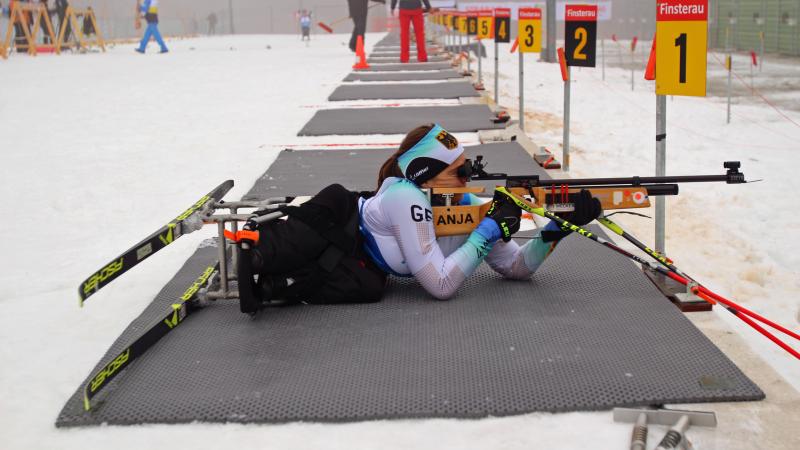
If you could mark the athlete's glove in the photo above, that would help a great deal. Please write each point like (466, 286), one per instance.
(505, 213)
(587, 208)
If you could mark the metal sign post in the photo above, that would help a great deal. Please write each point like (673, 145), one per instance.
(661, 169)
(603, 57)
(522, 91)
(565, 157)
(460, 29)
(580, 42)
(562, 62)
(484, 32)
(502, 33)
(529, 37)
(472, 32)
(681, 49)
(496, 73)
(480, 63)
(729, 66)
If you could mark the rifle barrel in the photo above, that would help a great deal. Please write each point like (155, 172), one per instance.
(535, 181)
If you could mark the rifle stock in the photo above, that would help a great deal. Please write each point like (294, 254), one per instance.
(455, 219)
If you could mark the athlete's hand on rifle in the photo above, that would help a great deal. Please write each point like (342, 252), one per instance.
(587, 209)
(506, 214)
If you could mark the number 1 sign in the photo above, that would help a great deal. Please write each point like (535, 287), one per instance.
(681, 47)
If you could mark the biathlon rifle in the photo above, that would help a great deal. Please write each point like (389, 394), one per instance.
(558, 195)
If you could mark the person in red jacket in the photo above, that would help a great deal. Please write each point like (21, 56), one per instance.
(411, 11)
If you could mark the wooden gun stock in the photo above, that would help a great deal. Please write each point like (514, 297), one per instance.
(451, 220)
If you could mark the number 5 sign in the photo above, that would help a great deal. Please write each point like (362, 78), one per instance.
(485, 24)
(681, 47)
(530, 30)
(580, 35)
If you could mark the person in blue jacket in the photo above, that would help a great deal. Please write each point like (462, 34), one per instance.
(149, 10)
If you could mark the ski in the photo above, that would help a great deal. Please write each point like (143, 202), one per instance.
(147, 247)
(177, 314)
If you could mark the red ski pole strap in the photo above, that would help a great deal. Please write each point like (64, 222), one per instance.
(242, 235)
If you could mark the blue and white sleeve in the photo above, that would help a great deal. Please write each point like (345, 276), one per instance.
(411, 218)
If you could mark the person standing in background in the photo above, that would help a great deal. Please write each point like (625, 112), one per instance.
(61, 12)
(411, 11)
(88, 26)
(305, 25)
(149, 10)
(212, 23)
(358, 12)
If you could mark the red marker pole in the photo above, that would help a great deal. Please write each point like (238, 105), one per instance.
(562, 61)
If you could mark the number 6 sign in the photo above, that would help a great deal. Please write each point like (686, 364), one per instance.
(681, 47)
(580, 35)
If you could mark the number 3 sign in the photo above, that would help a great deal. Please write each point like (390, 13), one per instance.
(580, 34)
(530, 30)
(681, 47)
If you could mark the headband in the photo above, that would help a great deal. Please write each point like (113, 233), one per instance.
(431, 155)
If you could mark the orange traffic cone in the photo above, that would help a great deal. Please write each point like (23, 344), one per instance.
(362, 56)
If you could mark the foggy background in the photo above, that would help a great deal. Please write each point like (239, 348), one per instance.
(734, 23)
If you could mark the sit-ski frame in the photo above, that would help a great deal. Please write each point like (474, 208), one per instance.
(233, 218)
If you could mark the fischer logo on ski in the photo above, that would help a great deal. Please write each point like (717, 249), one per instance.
(110, 369)
(150, 245)
(94, 281)
(179, 312)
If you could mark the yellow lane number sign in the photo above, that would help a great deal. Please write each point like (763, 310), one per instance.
(530, 30)
(681, 47)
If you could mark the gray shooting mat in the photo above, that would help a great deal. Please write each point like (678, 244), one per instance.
(407, 66)
(474, 48)
(350, 121)
(396, 59)
(403, 76)
(587, 332)
(447, 90)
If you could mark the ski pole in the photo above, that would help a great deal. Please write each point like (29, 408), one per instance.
(565, 225)
(666, 262)
(329, 27)
(705, 293)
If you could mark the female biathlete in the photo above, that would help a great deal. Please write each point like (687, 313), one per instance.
(397, 222)
(339, 246)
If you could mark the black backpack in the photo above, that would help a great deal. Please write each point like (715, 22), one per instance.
(314, 256)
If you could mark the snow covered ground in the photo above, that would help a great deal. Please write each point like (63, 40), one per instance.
(98, 150)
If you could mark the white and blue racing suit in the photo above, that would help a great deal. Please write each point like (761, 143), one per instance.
(397, 224)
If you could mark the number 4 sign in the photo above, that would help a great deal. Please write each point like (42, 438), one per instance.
(530, 30)
(502, 25)
(681, 47)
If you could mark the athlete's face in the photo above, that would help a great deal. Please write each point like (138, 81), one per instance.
(449, 176)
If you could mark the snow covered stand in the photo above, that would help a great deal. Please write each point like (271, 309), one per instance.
(499, 348)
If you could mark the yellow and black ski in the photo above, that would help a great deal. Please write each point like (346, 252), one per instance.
(180, 310)
(151, 244)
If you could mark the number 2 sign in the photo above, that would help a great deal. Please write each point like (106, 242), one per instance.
(580, 35)
(681, 47)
